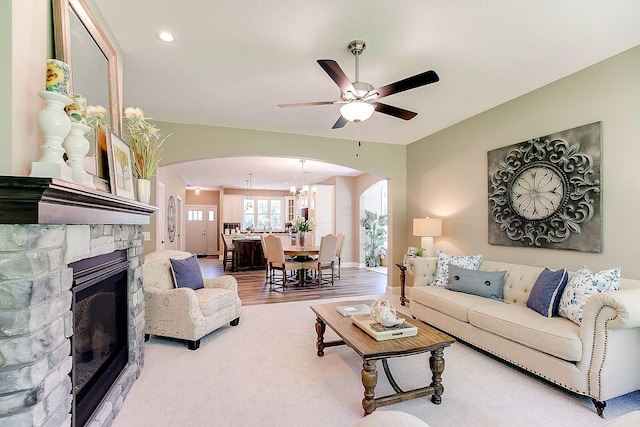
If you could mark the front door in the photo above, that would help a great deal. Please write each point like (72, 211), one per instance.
(201, 229)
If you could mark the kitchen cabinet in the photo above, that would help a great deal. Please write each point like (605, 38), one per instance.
(232, 208)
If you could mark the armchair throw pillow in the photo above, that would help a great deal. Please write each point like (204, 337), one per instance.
(472, 262)
(547, 291)
(187, 273)
(581, 286)
(488, 284)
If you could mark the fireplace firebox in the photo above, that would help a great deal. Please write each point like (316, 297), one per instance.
(99, 345)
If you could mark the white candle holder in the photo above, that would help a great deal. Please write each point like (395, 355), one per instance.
(55, 125)
(76, 147)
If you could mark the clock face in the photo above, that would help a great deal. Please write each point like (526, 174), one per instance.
(171, 219)
(537, 192)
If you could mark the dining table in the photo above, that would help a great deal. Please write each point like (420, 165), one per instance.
(301, 253)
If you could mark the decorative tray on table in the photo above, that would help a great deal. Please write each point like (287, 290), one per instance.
(380, 332)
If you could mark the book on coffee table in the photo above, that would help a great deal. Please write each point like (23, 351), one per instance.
(354, 310)
(380, 332)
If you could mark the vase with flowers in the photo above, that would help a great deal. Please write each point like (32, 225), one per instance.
(304, 226)
(146, 143)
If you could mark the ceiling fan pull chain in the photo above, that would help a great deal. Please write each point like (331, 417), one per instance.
(358, 137)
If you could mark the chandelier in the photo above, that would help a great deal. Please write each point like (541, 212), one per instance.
(249, 202)
(304, 189)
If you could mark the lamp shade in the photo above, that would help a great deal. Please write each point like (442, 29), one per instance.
(357, 111)
(427, 227)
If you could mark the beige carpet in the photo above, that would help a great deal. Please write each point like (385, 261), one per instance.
(265, 372)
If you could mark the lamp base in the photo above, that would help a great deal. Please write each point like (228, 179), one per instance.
(427, 244)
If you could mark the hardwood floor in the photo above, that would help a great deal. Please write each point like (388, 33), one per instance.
(253, 289)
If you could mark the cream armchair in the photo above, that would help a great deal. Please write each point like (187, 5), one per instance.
(183, 313)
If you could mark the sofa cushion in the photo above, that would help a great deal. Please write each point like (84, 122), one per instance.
(454, 304)
(187, 273)
(546, 292)
(486, 284)
(581, 286)
(556, 336)
(213, 300)
(517, 282)
(441, 278)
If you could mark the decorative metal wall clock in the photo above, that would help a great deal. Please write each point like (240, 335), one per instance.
(545, 192)
(171, 219)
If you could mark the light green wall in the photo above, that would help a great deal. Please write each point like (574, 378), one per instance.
(191, 142)
(6, 75)
(447, 172)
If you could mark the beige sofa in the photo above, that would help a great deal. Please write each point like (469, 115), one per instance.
(183, 313)
(599, 358)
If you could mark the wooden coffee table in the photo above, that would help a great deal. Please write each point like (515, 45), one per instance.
(427, 339)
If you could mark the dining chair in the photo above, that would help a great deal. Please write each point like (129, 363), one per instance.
(265, 257)
(278, 262)
(339, 253)
(228, 255)
(326, 259)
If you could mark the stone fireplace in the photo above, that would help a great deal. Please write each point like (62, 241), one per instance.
(46, 225)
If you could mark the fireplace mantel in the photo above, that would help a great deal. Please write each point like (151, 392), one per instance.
(28, 200)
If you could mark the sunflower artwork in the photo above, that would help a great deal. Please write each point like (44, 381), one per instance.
(58, 77)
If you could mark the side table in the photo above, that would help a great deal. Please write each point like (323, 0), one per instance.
(403, 276)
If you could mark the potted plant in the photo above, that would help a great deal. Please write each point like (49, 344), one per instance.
(383, 257)
(373, 225)
(304, 227)
(145, 143)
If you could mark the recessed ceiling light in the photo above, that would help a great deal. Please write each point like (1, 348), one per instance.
(166, 36)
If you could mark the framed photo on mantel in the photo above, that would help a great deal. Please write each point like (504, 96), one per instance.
(101, 177)
(120, 171)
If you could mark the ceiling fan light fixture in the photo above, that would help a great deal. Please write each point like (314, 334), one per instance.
(357, 111)
(166, 36)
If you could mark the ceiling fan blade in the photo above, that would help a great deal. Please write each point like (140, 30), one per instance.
(306, 104)
(339, 123)
(332, 68)
(394, 111)
(418, 80)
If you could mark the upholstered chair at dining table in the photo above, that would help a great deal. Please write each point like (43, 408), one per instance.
(339, 254)
(278, 262)
(326, 259)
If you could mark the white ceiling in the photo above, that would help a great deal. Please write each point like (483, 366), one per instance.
(234, 61)
(268, 173)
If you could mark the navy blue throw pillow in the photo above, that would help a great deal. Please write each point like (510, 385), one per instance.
(187, 273)
(546, 292)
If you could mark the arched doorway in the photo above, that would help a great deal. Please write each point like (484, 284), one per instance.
(373, 220)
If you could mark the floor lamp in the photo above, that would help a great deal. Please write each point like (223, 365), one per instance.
(427, 228)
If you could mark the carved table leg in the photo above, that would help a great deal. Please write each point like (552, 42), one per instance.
(436, 363)
(320, 328)
(369, 381)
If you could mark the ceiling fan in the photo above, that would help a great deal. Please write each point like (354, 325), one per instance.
(359, 99)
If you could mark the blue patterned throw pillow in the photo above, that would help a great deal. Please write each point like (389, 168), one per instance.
(547, 291)
(187, 273)
(472, 262)
(581, 286)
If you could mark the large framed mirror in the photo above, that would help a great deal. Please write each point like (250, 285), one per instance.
(81, 42)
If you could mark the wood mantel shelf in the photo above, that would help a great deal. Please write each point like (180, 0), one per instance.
(28, 200)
